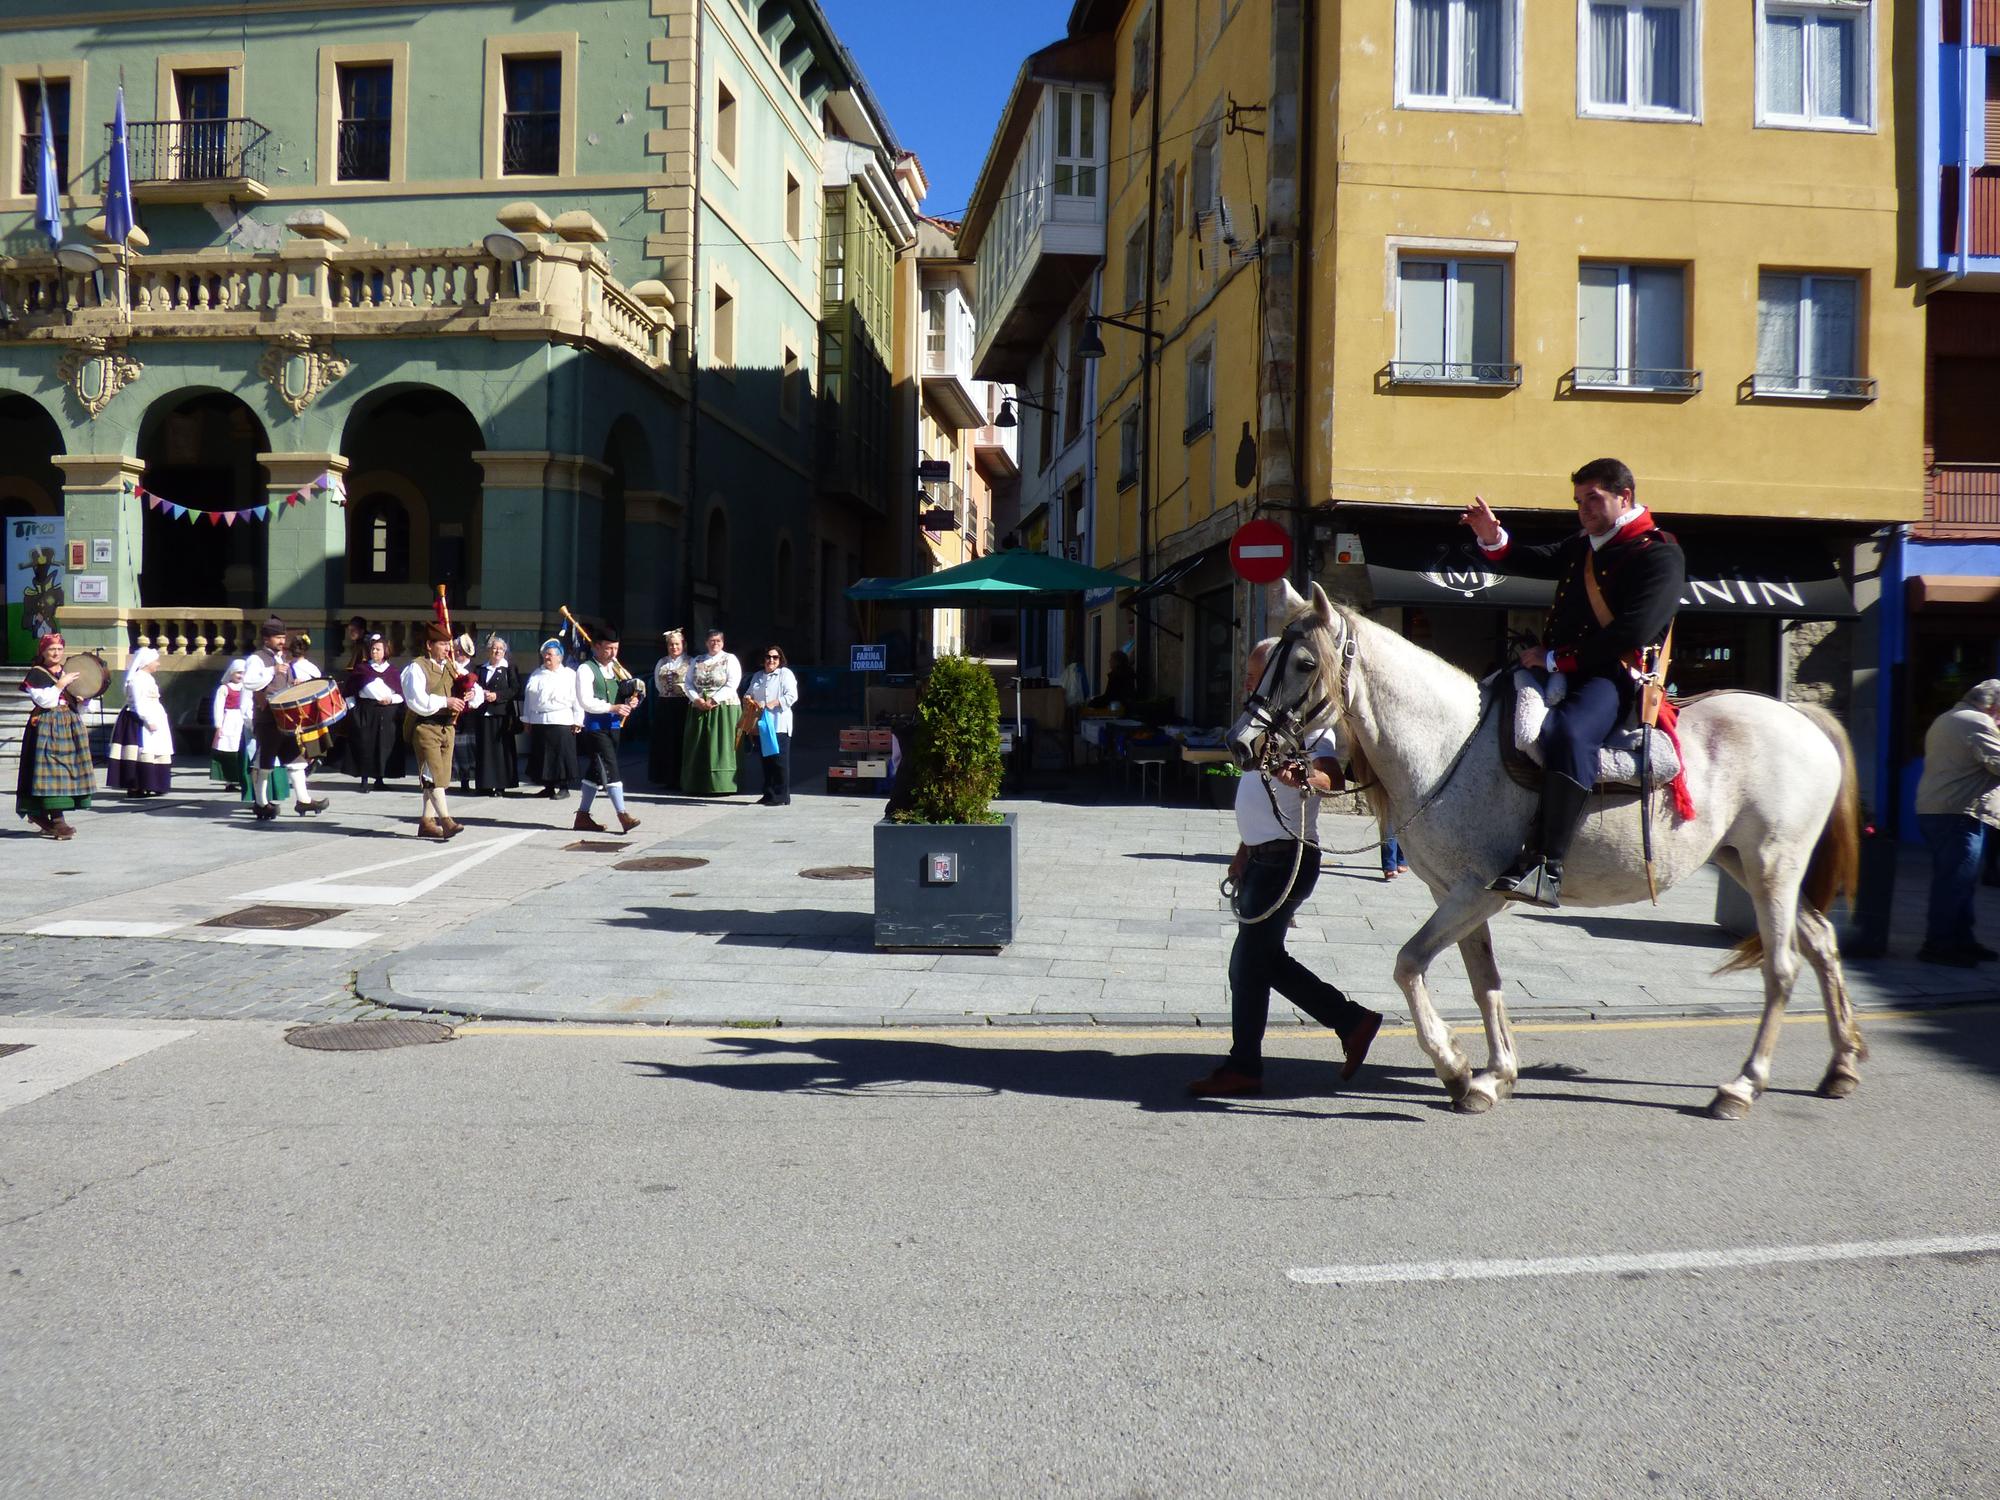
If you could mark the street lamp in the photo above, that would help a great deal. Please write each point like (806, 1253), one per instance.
(81, 259)
(509, 249)
(1008, 417)
(1090, 346)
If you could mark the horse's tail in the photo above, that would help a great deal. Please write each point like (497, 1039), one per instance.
(1835, 869)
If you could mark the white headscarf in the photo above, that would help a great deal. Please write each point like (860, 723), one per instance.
(143, 658)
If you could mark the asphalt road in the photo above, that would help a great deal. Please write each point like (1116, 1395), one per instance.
(532, 1263)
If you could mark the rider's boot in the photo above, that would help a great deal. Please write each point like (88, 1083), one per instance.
(1536, 874)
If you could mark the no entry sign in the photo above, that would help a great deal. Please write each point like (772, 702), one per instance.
(1261, 551)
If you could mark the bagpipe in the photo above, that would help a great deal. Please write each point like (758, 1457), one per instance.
(462, 684)
(629, 688)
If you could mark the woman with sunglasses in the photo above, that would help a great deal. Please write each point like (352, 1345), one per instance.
(772, 691)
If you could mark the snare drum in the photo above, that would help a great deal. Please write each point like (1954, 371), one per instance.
(308, 711)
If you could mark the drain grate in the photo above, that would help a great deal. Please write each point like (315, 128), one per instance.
(659, 864)
(840, 872)
(276, 918)
(594, 846)
(8, 1049)
(367, 1036)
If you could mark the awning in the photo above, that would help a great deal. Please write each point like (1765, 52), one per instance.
(1016, 579)
(1930, 590)
(1762, 572)
(1166, 582)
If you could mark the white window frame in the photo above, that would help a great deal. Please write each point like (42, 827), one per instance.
(1623, 354)
(1201, 422)
(1456, 99)
(1083, 166)
(1451, 261)
(1863, 385)
(1691, 18)
(1870, 33)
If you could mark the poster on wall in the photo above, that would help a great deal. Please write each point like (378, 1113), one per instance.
(34, 563)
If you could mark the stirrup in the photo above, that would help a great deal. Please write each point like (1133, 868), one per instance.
(1540, 885)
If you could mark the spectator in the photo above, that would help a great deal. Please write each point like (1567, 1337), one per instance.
(772, 692)
(1955, 800)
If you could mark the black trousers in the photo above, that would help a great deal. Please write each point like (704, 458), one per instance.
(778, 773)
(1577, 727)
(1259, 963)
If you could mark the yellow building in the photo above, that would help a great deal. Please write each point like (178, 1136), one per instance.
(1666, 232)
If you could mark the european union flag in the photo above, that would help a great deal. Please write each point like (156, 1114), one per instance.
(118, 221)
(48, 215)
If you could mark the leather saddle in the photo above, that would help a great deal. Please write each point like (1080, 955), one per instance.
(1525, 701)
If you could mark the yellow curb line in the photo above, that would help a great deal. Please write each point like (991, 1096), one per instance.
(1107, 1033)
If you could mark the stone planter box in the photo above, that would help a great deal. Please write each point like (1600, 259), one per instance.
(981, 908)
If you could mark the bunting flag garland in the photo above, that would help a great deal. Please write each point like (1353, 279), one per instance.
(328, 484)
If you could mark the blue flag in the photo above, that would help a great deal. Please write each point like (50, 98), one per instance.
(118, 223)
(48, 216)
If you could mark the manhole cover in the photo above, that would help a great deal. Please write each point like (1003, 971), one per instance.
(659, 864)
(594, 846)
(840, 872)
(279, 918)
(367, 1036)
(8, 1049)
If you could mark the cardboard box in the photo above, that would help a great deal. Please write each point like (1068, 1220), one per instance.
(871, 767)
(853, 741)
(880, 740)
(840, 773)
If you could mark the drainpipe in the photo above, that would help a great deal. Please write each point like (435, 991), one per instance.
(1141, 619)
(1277, 368)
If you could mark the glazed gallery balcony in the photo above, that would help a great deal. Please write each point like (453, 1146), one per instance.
(315, 289)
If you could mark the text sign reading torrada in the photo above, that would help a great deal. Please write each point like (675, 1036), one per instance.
(1261, 551)
(868, 658)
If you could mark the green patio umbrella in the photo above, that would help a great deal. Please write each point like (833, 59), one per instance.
(1016, 579)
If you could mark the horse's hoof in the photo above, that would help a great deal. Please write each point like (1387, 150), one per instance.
(1728, 1106)
(1478, 1097)
(1838, 1083)
(1457, 1086)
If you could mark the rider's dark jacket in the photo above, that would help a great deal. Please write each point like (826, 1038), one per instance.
(1642, 574)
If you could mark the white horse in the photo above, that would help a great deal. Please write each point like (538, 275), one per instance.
(1775, 804)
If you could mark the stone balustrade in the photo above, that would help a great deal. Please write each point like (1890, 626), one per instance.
(197, 639)
(314, 289)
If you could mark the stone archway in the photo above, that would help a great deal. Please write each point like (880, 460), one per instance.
(199, 449)
(412, 446)
(30, 439)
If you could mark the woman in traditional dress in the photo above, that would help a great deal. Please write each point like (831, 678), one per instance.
(670, 714)
(56, 775)
(496, 723)
(554, 716)
(229, 711)
(708, 757)
(142, 741)
(464, 746)
(772, 691)
(374, 696)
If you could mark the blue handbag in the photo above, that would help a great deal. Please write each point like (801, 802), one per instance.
(767, 732)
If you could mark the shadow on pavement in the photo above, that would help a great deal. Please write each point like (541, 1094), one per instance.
(1965, 1034)
(807, 927)
(1645, 930)
(1196, 859)
(871, 1067)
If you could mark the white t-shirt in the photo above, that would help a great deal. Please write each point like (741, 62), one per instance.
(1254, 821)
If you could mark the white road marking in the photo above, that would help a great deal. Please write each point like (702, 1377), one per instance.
(1624, 1264)
(101, 927)
(330, 889)
(59, 1056)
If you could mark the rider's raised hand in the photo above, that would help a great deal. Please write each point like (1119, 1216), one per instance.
(1485, 525)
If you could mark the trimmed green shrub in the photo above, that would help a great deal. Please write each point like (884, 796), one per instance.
(957, 753)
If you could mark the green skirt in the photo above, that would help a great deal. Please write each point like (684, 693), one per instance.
(708, 752)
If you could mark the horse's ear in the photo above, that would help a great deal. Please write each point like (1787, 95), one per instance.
(1282, 600)
(1322, 606)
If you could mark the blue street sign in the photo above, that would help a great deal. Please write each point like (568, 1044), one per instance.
(868, 658)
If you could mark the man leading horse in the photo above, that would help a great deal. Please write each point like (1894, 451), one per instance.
(1618, 586)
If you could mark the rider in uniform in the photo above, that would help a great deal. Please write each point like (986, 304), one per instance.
(1595, 636)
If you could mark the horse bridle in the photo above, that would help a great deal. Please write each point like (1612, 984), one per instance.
(1285, 730)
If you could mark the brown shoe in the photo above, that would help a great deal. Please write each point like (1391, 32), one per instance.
(44, 822)
(453, 828)
(1355, 1042)
(585, 823)
(63, 828)
(426, 829)
(1226, 1083)
(626, 824)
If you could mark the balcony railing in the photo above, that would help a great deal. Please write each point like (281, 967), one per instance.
(530, 145)
(31, 164)
(198, 151)
(1964, 496)
(362, 151)
(1628, 378)
(1431, 372)
(319, 290)
(1813, 387)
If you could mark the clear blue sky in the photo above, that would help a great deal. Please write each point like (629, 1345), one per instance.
(942, 69)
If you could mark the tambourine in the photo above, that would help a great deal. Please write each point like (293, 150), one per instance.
(92, 675)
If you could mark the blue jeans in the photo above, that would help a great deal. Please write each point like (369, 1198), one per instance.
(1392, 854)
(1955, 841)
(1259, 963)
